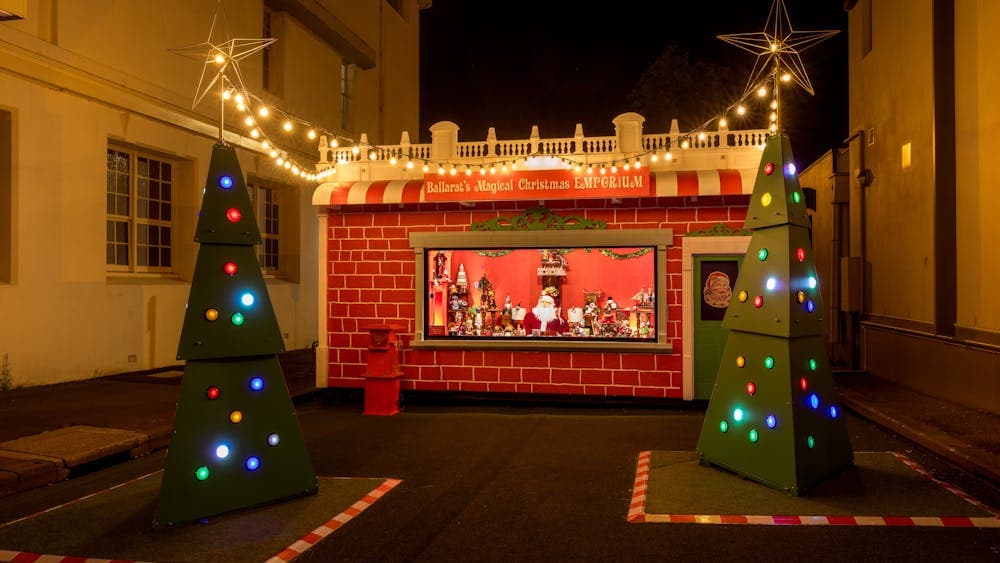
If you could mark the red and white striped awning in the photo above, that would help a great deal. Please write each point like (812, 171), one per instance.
(665, 184)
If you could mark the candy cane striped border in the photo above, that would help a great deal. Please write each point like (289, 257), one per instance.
(287, 554)
(313, 537)
(637, 509)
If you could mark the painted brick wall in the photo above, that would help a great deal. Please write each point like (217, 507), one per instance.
(370, 267)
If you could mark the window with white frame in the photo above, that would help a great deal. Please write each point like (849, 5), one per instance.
(139, 212)
(347, 96)
(266, 207)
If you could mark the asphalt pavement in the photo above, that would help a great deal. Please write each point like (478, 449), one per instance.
(463, 460)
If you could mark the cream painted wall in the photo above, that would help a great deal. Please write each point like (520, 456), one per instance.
(109, 76)
(891, 92)
(977, 42)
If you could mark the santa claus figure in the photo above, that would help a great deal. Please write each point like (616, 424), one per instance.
(545, 317)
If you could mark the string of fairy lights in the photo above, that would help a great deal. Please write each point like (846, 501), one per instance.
(778, 62)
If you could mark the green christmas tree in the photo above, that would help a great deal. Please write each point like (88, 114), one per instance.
(236, 440)
(774, 415)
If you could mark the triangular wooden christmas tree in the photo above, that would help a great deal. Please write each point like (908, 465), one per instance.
(774, 415)
(236, 441)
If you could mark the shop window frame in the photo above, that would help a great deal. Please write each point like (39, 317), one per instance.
(660, 239)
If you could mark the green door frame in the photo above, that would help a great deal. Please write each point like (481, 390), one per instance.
(693, 246)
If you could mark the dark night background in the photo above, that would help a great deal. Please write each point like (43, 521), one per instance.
(514, 64)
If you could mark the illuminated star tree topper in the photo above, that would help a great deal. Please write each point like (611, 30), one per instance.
(778, 50)
(221, 61)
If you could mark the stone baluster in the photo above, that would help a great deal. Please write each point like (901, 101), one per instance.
(444, 140)
(628, 133)
(533, 140)
(491, 142)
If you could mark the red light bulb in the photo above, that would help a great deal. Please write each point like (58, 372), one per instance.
(233, 215)
(213, 393)
(769, 168)
(758, 301)
(751, 388)
(803, 383)
(230, 268)
(800, 254)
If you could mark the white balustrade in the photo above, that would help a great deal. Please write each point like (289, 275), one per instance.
(735, 147)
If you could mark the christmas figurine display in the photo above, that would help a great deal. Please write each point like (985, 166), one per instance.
(236, 441)
(774, 415)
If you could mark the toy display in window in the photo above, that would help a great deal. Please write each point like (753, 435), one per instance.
(441, 268)
(545, 318)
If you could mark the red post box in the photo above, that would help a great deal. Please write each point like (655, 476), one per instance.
(383, 373)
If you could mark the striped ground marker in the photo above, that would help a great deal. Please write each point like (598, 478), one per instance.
(287, 554)
(313, 537)
(637, 509)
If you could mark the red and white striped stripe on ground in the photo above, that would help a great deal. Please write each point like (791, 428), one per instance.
(313, 537)
(637, 509)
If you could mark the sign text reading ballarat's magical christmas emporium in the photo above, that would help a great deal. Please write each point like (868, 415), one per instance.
(537, 184)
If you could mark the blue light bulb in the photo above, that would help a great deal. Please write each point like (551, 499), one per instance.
(247, 299)
(814, 401)
(771, 421)
(253, 462)
(273, 440)
(226, 182)
(257, 383)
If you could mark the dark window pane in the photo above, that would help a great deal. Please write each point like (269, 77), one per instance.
(154, 235)
(110, 236)
(122, 255)
(121, 232)
(123, 183)
(142, 185)
(154, 169)
(165, 211)
(154, 210)
(110, 205)
(165, 236)
(109, 257)
(143, 210)
(165, 256)
(122, 206)
(142, 234)
(165, 192)
(143, 166)
(154, 189)
(165, 171)
(142, 256)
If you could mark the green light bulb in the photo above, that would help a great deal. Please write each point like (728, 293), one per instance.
(762, 254)
(238, 319)
(811, 441)
(723, 427)
(812, 364)
(754, 436)
(769, 362)
(796, 197)
(201, 473)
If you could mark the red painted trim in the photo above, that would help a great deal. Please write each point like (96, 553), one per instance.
(730, 182)
(376, 192)
(412, 191)
(687, 183)
(339, 194)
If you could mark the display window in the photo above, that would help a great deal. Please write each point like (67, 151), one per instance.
(586, 289)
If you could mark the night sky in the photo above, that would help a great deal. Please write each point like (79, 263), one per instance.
(518, 63)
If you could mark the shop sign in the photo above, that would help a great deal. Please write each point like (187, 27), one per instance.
(537, 184)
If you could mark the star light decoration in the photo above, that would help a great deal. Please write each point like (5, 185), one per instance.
(222, 61)
(777, 49)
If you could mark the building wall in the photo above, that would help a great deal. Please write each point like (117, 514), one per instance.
(908, 334)
(75, 76)
(977, 77)
(371, 281)
(900, 201)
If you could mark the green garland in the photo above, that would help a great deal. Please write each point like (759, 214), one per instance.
(605, 251)
(628, 255)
